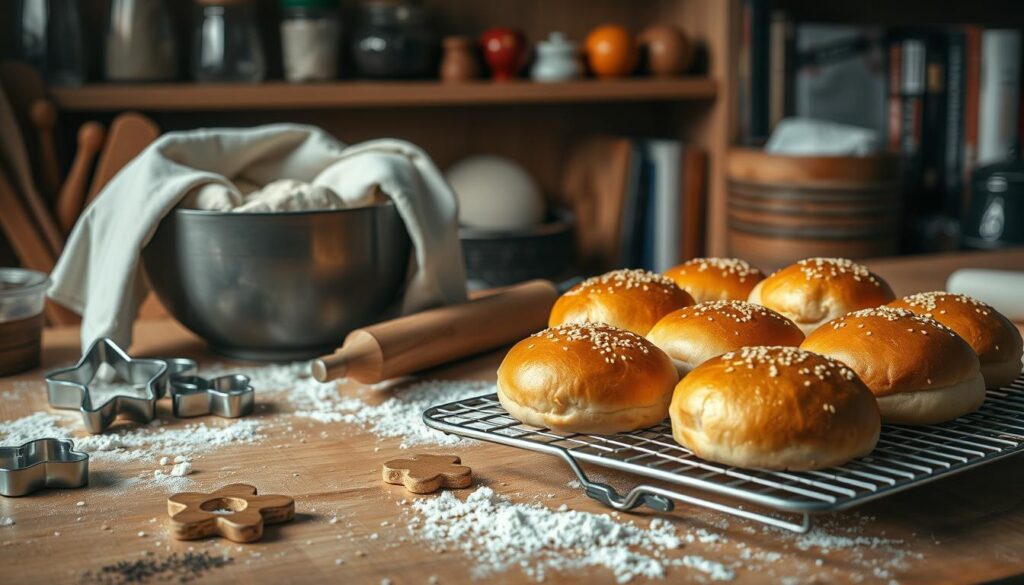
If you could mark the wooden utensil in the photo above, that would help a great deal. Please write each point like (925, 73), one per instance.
(72, 195)
(14, 153)
(43, 114)
(17, 224)
(430, 338)
(28, 244)
(129, 134)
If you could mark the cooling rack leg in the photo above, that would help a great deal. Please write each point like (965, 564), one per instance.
(661, 500)
(607, 495)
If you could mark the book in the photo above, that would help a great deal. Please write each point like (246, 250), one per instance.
(692, 219)
(780, 62)
(753, 72)
(999, 94)
(952, 179)
(665, 202)
(839, 74)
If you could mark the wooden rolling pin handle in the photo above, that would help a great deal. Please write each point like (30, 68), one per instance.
(430, 338)
(72, 195)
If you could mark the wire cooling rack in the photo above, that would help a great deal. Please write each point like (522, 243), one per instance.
(905, 457)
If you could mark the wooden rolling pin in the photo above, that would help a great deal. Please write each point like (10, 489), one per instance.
(423, 340)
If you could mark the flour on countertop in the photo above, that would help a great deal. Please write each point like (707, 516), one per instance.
(500, 535)
(146, 442)
(400, 415)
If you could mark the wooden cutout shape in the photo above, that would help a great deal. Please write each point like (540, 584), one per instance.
(234, 512)
(423, 474)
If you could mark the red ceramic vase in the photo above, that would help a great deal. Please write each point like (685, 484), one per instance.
(504, 51)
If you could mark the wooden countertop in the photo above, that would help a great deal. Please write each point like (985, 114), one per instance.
(967, 528)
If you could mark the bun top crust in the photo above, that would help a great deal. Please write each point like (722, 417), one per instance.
(992, 336)
(774, 397)
(586, 366)
(699, 332)
(716, 279)
(628, 299)
(894, 350)
(820, 289)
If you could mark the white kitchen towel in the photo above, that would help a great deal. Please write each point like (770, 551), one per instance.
(99, 275)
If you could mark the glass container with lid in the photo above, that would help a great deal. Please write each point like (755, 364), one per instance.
(140, 42)
(310, 39)
(228, 45)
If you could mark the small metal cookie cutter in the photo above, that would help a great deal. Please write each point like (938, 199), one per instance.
(226, 396)
(43, 463)
(68, 388)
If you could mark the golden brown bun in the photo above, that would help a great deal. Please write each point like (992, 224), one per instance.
(896, 353)
(586, 378)
(692, 335)
(774, 408)
(995, 339)
(633, 300)
(716, 279)
(814, 291)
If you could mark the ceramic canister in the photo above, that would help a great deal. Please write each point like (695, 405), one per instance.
(557, 60)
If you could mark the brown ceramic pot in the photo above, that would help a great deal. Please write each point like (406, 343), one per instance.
(666, 50)
(459, 62)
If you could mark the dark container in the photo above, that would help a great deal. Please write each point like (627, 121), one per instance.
(393, 41)
(995, 216)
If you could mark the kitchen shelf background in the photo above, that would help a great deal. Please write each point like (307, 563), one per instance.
(348, 94)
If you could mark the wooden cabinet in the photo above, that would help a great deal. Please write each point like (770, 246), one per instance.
(528, 122)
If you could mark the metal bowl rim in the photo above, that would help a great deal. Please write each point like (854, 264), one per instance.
(210, 213)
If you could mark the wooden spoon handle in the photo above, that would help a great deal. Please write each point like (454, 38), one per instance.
(72, 195)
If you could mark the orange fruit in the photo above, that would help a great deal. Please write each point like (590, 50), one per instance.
(611, 51)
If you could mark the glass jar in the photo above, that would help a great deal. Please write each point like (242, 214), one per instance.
(228, 45)
(394, 42)
(140, 42)
(48, 35)
(310, 40)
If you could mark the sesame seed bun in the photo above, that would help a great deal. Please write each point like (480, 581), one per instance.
(921, 371)
(586, 378)
(814, 291)
(633, 300)
(692, 335)
(995, 339)
(774, 408)
(716, 279)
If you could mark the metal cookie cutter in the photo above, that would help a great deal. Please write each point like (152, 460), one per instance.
(43, 463)
(69, 388)
(227, 396)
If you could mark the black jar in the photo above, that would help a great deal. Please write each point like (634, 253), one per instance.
(995, 216)
(393, 41)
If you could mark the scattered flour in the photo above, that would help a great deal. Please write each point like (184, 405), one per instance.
(400, 415)
(134, 444)
(499, 535)
(7, 521)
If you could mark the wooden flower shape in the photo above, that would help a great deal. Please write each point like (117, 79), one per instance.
(234, 512)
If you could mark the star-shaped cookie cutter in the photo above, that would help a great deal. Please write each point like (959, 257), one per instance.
(69, 388)
(43, 463)
(228, 396)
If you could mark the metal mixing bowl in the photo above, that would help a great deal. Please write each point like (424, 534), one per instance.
(278, 286)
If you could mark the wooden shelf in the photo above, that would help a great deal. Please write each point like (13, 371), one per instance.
(365, 94)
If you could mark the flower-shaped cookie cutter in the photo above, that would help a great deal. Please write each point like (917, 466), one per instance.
(43, 463)
(69, 388)
(228, 396)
